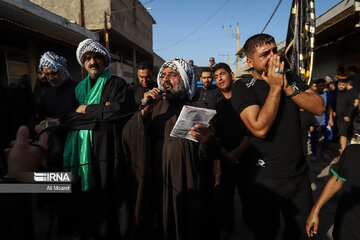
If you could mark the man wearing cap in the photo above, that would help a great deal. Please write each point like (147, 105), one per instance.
(173, 177)
(93, 150)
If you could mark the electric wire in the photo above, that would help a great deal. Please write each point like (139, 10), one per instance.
(195, 30)
(276, 8)
(126, 9)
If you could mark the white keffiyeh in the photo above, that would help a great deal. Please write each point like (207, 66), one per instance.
(186, 72)
(89, 45)
(55, 62)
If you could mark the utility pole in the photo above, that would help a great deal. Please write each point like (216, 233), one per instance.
(237, 36)
(106, 33)
(228, 57)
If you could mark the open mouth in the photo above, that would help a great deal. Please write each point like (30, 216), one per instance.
(167, 85)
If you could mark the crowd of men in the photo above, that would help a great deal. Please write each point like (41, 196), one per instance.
(340, 121)
(115, 140)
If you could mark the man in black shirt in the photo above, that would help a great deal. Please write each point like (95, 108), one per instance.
(350, 87)
(145, 75)
(234, 139)
(269, 107)
(207, 93)
(353, 75)
(344, 109)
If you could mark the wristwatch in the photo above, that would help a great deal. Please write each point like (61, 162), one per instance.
(296, 91)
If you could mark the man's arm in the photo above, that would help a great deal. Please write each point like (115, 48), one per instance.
(235, 155)
(259, 120)
(350, 108)
(356, 103)
(332, 186)
(331, 116)
(117, 102)
(308, 100)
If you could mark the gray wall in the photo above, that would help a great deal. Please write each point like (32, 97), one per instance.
(133, 23)
(342, 53)
(135, 27)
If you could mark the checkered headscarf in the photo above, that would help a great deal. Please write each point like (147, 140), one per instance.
(55, 62)
(89, 45)
(186, 72)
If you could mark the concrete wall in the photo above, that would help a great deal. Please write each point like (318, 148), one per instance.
(70, 9)
(326, 62)
(133, 23)
(94, 13)
(343, 53)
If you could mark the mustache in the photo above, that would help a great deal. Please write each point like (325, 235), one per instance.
(167, 84)
(94, 65)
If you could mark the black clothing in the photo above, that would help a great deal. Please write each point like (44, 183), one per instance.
(353, 94)
(173, 176)
(38, 94)
(276, 165)
(108, 166)
(306, 120)
(356, 79)
(230, 130)
(343, 128)
(57, 101)
(344, 104)
(292, 196)
(347, 216)
(344, 108)
(228, 127)
(207, 96)
(106, 135)
(281, 149)
(139, 91)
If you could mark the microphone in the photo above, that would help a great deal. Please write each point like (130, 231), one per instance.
(150, 100)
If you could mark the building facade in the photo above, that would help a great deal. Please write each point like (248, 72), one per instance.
(123, 26)
(27, 31)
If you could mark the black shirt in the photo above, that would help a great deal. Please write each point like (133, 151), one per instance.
(139, 91)
(229, 127)
(207, 96)
(58, 101)
(356, 79)
(306, 120)
(279, 154)
(347, 216)
(344, 104)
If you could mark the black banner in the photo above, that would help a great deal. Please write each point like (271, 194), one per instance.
(300, 40)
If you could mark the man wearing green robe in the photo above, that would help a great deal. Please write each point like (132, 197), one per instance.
(93, 149)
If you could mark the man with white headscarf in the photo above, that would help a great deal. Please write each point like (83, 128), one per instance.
(173, 174)
(56, 102)
(93, 151)
(59, 99)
